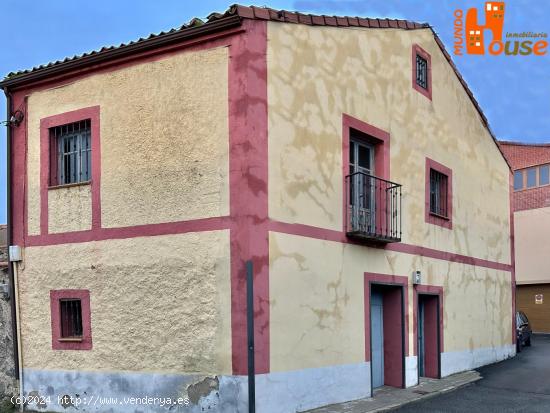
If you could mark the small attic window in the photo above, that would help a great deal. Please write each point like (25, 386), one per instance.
(421, 71)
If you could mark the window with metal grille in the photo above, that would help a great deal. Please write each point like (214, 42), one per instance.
(438, 193)
(71, 318)
(71, 145)
(421, 72)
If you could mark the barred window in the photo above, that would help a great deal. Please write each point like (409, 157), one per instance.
(438, 193)
(421, 72)
(71, 318)
(72, 145)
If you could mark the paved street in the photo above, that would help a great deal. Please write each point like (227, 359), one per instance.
(521, 384)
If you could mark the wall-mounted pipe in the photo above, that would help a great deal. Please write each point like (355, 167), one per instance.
(250, 337)
(14, 312)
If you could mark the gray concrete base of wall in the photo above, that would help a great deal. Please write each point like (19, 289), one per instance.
(276, 392)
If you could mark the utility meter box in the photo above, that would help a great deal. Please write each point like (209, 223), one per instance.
(15, 253)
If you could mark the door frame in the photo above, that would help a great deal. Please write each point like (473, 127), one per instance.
(435, 291)
(392, 281)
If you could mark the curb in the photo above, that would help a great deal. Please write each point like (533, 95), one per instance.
(426, 396)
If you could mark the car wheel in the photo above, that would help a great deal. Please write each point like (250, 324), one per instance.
(518, 346)
(528, 342)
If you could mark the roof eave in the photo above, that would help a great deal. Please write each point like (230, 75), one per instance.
(121, 52)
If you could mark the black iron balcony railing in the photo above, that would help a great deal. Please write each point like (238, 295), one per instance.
(373, 208)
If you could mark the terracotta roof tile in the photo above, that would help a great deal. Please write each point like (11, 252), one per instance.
(330, 20)
(261, 13)
(304, 19)
(353, 21)
(342, 21)
(374, 23)
(318, 20)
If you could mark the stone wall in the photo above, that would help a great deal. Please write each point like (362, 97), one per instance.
(7, 366)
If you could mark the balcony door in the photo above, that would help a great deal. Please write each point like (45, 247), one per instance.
(361, 165)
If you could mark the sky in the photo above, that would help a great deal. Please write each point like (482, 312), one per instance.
(513, 91)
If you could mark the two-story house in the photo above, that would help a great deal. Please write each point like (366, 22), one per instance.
(341, 161)
(531, 205)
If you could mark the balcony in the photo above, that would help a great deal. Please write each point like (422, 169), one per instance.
(373, 210)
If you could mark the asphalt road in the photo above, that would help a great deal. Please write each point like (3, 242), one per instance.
(518, 385)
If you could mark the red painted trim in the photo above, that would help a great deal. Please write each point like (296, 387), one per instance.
(248, 191)
(46, 157)
(428, 216)
(428, 290)
(380, 139)
(148, 230)
(377, 278)
(84, 296)
(340, 236)
(394, 374)
(417, 50)
(512, 256)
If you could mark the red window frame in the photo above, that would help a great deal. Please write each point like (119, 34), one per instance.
(446, 222)
(417, 50)
(60, 343)
(48, 161)
(372, 135)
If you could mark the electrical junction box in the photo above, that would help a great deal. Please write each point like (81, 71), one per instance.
(417, 277)
(15, 253)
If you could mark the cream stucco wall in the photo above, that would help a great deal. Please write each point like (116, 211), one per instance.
(315, 74)
(317, 304)
(157, 304)
(164, 140)
(70, 209)
(532, 228)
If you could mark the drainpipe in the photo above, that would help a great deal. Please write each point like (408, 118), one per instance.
(11, 266)
(250, 337)
(17, 324)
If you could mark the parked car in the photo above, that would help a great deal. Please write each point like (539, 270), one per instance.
(523, 331)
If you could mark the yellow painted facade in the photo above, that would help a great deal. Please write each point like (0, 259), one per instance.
(164, 140)
(317, 301)
(532, 227)
(163, 303)
(158, 303)
(317, 74)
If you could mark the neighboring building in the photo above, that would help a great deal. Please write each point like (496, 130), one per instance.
(7, 362)
(531, 204)
(339, 155)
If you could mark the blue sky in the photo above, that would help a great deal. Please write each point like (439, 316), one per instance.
(513, 91)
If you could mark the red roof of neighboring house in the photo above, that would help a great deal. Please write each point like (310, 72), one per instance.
(219, 21)
(523, 155)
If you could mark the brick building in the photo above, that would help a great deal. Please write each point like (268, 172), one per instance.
(531, 204)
